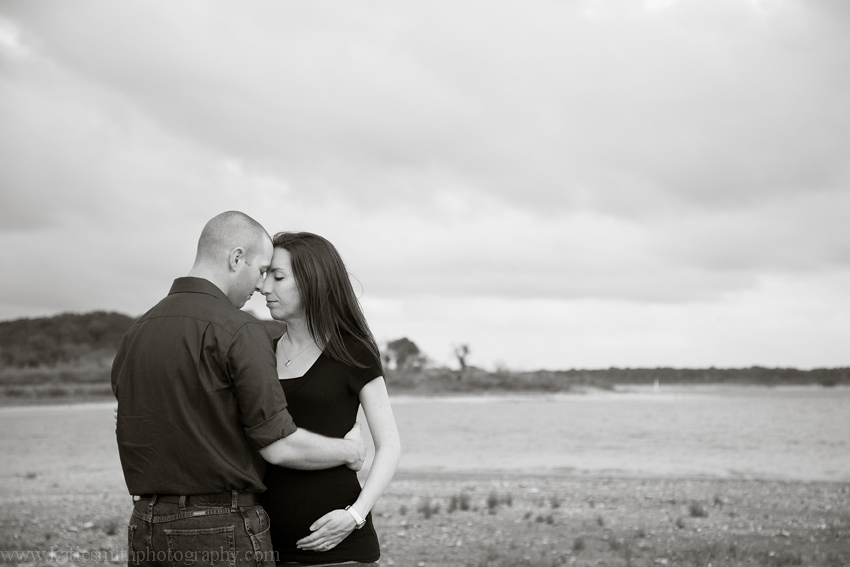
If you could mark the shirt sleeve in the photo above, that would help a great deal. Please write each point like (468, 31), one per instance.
(262, 403)
(359, 377)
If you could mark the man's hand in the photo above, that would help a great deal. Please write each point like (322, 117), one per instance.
(328, 531)
(355, 437)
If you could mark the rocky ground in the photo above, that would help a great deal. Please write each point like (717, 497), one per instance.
(499, 520)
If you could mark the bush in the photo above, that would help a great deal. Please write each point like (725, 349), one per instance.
(459, 502)
(428, 508)
(493, 502)
(17, 392)
(112, 526)
(54, 392)
(579, 545)
(697, 511)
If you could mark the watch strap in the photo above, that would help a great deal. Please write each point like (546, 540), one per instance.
(358, 519)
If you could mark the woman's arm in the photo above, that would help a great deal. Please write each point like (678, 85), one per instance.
(379, 416)
(336, 525)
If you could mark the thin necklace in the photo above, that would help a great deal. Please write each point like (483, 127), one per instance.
(289, 360)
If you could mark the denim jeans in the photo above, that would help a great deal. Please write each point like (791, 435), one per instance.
(171, 535)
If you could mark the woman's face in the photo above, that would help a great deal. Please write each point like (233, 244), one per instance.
(280, 289)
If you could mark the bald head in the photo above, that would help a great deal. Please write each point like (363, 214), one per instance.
(233, 252)
(227, 231)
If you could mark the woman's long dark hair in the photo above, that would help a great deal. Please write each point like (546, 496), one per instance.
(327, 296)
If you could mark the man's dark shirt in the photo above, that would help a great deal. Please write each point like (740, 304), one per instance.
(197, 389)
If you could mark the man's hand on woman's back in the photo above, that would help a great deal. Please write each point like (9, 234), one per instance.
(355, 436)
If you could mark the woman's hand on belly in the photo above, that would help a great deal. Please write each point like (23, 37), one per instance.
(328, 531)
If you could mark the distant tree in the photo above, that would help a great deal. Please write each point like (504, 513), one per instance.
(461, 352)
(403, 354)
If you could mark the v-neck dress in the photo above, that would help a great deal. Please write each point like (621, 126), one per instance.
(325, 400)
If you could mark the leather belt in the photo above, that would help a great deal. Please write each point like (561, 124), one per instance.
(243, 499)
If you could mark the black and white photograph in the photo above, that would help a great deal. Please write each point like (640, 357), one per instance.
(428, 284)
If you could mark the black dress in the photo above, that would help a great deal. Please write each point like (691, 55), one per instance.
(325, 400)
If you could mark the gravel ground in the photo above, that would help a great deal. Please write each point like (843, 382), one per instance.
(482, 519)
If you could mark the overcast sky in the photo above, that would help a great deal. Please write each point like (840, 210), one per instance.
(570, 184)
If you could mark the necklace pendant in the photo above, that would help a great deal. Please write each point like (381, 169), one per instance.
(287, 363)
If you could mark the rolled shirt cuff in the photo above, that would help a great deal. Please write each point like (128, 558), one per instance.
(276, 427)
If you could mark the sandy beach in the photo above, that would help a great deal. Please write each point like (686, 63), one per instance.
(63, 500)
(476, 519)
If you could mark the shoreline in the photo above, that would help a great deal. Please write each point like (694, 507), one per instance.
(617, 392)
(561, 475)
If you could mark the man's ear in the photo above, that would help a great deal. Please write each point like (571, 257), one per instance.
(237, 256)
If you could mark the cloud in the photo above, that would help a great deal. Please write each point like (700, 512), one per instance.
(782, 321)
(654, 157)
(687, 104)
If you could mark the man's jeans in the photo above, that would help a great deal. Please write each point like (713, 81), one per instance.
(166, 534)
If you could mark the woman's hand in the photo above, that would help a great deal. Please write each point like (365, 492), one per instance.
(328, 531)
(115, 417)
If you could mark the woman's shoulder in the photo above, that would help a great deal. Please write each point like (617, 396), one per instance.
(361, 352)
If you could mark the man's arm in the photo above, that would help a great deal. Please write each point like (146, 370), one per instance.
(304, 450)
(308, 451)
(262, 407)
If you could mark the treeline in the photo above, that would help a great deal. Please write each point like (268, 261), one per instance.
(47, 341)
(70, 355)
(66, 357)
(753, 375)
(471, 379)
(410, 367)
(68, 338)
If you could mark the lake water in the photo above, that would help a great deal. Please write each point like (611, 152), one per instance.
(790, 433)
(798, 433)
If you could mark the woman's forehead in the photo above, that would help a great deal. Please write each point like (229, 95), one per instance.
(281, 260)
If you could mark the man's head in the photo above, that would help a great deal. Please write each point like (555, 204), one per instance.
(234, 252)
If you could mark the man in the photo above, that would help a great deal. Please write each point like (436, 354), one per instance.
(200, 407)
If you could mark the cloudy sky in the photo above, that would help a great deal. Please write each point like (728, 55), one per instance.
(557, 184)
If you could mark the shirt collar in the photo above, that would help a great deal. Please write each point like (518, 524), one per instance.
(197, 285)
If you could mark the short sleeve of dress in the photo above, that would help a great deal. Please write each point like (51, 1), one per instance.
(359, 377)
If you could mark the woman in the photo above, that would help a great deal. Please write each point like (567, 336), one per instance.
(328, 365)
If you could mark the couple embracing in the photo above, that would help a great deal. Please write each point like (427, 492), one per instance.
(239, 450)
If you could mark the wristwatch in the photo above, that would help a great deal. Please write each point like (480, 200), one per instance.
(358, 519)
